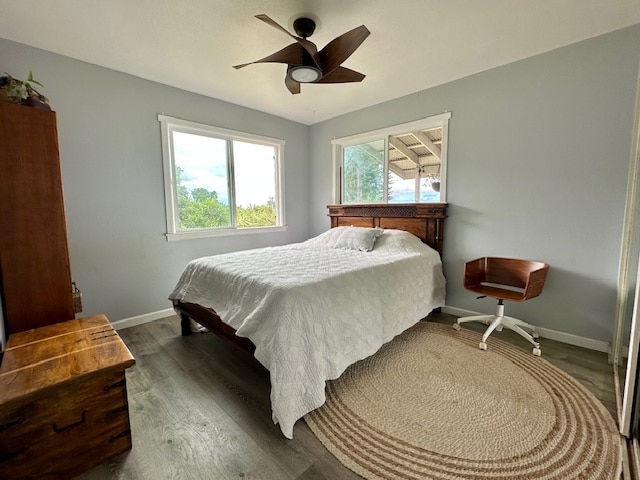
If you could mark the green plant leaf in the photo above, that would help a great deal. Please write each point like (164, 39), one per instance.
(30, 79)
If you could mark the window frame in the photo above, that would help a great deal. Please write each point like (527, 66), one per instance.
(168, 126)
(338, 144)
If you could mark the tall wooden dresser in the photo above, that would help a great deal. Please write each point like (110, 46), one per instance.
(63, 397)
(35, 276)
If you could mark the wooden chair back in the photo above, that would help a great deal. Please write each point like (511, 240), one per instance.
(505, 278)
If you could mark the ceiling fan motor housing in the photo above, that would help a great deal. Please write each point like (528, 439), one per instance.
(304, 27)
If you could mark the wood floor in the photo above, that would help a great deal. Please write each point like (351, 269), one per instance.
(200, 410)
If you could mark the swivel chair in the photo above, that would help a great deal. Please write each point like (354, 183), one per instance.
(504, 279)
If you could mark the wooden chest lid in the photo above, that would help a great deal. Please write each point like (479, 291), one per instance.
(49, 356)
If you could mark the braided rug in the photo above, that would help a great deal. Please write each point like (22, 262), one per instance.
(432, 405)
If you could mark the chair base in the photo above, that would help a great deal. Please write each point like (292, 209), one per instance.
(497, 322)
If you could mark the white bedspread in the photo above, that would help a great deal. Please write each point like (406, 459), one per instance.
(313, 310)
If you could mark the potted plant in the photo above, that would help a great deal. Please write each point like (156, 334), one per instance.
(22, 91)
(432, 180)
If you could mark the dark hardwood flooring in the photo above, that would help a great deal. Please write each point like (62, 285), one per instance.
(200, 410)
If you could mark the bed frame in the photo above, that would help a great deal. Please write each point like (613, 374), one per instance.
(424, 220)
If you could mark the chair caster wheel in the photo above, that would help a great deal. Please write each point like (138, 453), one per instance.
(483, 346)
(456, 326)
(535, 334)
(537, 352)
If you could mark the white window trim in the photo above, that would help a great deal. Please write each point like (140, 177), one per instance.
(425, 123)
(169, 124)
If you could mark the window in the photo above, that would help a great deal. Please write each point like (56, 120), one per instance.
(218, 181)
(401, 164)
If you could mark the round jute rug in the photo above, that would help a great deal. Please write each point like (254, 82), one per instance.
(432, 405)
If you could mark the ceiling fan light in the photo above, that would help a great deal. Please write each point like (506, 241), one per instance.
(304, 74)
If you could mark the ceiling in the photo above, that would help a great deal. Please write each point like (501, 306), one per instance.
(414, 44)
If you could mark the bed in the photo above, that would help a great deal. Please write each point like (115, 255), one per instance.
(307, 311)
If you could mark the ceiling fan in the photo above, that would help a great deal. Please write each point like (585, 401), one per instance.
(305, 64)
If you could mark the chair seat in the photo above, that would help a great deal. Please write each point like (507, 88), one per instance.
(497, 292)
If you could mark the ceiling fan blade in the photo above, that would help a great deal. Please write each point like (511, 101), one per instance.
(292, 54)
(341, 48)
(268, 20)
(308, 45)
(292, 85)
(342, 75)
(312, 50)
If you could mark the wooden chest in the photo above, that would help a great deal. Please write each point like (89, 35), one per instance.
(63, 399)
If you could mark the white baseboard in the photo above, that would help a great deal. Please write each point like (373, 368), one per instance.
(140, 319)
(590, 343)
(598, 345)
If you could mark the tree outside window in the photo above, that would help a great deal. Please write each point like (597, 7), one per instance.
(217, 181)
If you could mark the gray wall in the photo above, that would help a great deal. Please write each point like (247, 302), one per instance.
(538, 161)
(110, 151)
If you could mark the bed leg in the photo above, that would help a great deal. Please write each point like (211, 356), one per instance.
(185, 324)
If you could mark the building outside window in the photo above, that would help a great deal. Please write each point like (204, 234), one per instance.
(402, 164)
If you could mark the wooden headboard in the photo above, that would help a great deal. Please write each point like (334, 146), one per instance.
(424, 220)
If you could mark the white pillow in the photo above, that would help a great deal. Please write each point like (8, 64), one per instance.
(358, 238)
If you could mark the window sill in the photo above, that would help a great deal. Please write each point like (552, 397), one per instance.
(223, 232)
